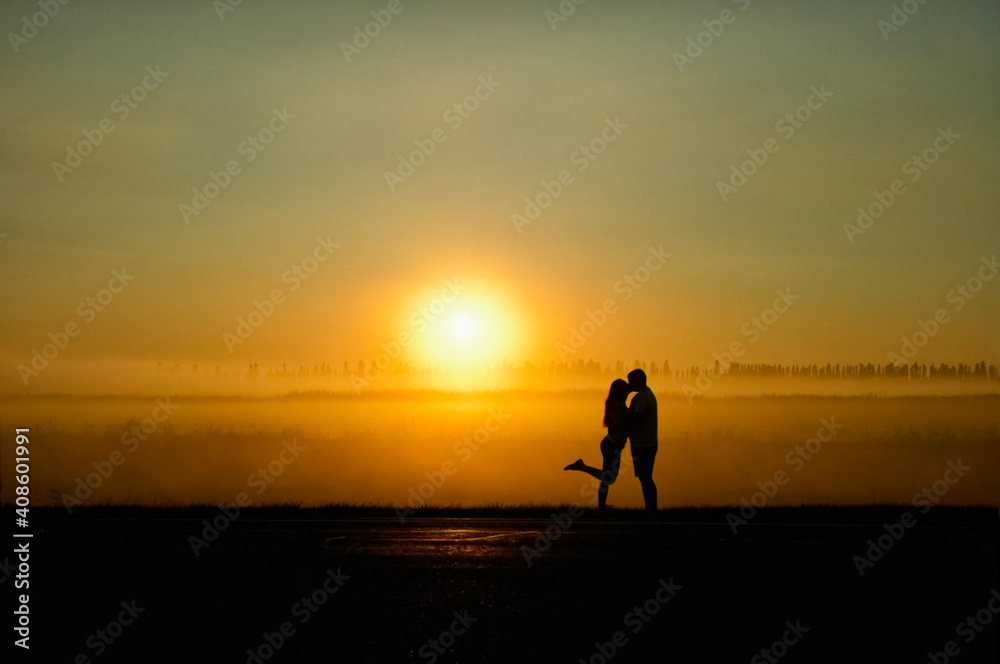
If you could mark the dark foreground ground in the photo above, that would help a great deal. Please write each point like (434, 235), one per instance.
(455, 586)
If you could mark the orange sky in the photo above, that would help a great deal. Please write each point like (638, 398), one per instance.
(345, 194)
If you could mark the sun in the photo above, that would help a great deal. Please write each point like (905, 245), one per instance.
(470, 330)
(463, 328)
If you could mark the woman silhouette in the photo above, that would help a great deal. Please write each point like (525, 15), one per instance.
(616, 420)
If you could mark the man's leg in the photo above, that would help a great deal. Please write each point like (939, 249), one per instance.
(644, 471)
(649, 492)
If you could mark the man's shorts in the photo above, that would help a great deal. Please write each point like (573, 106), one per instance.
(642, 459)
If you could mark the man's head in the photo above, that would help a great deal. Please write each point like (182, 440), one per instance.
(637, 379)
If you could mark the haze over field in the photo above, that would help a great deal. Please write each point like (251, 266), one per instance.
(504, 448)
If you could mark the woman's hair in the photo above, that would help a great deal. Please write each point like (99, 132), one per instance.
(616, 397)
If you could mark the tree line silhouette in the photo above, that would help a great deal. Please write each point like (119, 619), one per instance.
(595, 370)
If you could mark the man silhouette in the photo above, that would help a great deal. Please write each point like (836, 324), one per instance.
(643, 434)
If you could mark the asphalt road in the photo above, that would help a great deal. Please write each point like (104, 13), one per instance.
(484, 589)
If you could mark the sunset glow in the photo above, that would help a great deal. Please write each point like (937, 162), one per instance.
(442, 330)
(468, 199)
(476, 331)
(463, 328)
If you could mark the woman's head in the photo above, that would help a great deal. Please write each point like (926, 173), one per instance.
(616, 397)
(619, 390)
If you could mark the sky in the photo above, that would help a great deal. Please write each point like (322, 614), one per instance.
(380, 186)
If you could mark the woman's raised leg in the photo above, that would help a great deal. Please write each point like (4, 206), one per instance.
(582, 467)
